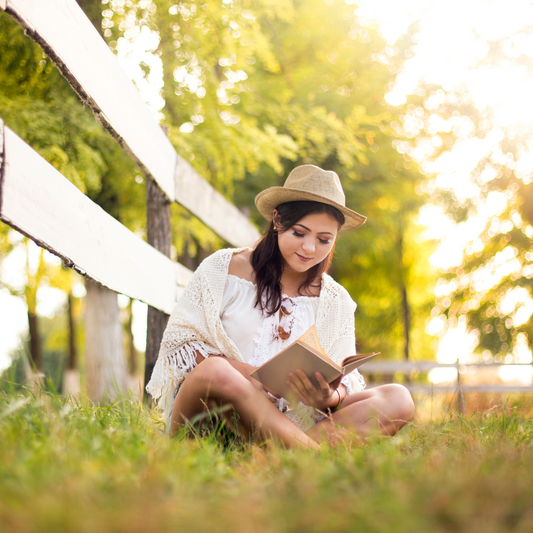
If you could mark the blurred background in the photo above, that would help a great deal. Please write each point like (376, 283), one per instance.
(423, 108)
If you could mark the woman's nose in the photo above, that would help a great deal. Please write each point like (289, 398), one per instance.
(309, 246)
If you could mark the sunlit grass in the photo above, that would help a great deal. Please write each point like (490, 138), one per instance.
(69, 466)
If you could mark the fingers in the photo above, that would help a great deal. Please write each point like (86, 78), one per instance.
(324, 390)
(306, 392)
(297, 380)
(325, 387)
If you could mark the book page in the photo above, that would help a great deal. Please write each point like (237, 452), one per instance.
(353, 358)
(351, 363)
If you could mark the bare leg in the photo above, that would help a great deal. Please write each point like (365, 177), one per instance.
(215, 380)
(385, 410)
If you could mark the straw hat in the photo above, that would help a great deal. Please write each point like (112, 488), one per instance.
(311, 183)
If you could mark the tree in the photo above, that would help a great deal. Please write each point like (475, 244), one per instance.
(252, 89)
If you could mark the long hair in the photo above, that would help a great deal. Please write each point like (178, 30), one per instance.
(267, 260)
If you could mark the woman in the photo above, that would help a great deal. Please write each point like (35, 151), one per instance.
(243, 306)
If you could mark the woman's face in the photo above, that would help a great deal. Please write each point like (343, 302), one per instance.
(308, 242)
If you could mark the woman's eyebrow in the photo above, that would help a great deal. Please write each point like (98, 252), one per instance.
(320, 232)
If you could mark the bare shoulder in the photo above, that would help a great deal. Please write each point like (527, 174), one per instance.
(241, 265)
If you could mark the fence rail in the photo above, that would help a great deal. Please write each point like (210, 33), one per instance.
(64, 32)
(389, 367)
(42, 204)
(405, 367)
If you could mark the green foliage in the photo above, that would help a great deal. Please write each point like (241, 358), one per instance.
(254, 88)
(69, 466)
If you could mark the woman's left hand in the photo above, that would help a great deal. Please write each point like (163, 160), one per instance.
(323, 398)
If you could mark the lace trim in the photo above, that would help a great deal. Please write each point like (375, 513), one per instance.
(354, 382)
(304, 416)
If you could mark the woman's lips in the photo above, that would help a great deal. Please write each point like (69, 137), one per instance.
(304, 259)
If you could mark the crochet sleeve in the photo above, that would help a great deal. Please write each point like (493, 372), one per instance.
(344, 346)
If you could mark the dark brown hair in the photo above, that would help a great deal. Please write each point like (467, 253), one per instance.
(267, 260)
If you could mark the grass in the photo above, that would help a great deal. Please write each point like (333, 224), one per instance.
(71, 467)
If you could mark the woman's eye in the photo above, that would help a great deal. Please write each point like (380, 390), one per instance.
(324, 241)
(296, 234)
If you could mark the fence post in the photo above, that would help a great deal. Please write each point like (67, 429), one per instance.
(159, 236)
(460, 399)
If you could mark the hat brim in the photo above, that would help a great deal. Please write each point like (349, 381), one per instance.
(267, 200)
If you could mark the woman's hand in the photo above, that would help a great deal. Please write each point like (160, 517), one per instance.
(326, 397)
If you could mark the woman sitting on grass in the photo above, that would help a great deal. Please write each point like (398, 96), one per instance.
(243, 306)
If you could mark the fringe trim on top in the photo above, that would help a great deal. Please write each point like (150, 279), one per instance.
(171, 369)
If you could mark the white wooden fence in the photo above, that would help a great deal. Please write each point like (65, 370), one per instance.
(42, 204)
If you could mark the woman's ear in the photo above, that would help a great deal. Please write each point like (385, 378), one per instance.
(276, 219)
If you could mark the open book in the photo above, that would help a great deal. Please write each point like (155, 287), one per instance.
(305, 353)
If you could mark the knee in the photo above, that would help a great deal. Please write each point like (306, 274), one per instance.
(400, 401)
(219, 377)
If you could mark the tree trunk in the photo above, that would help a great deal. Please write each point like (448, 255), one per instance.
(35, 342)
(132, 363)
(135, 384)
(72, 352)
(158, 233)
(406, 322)
(71, 379)
(107, 374)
